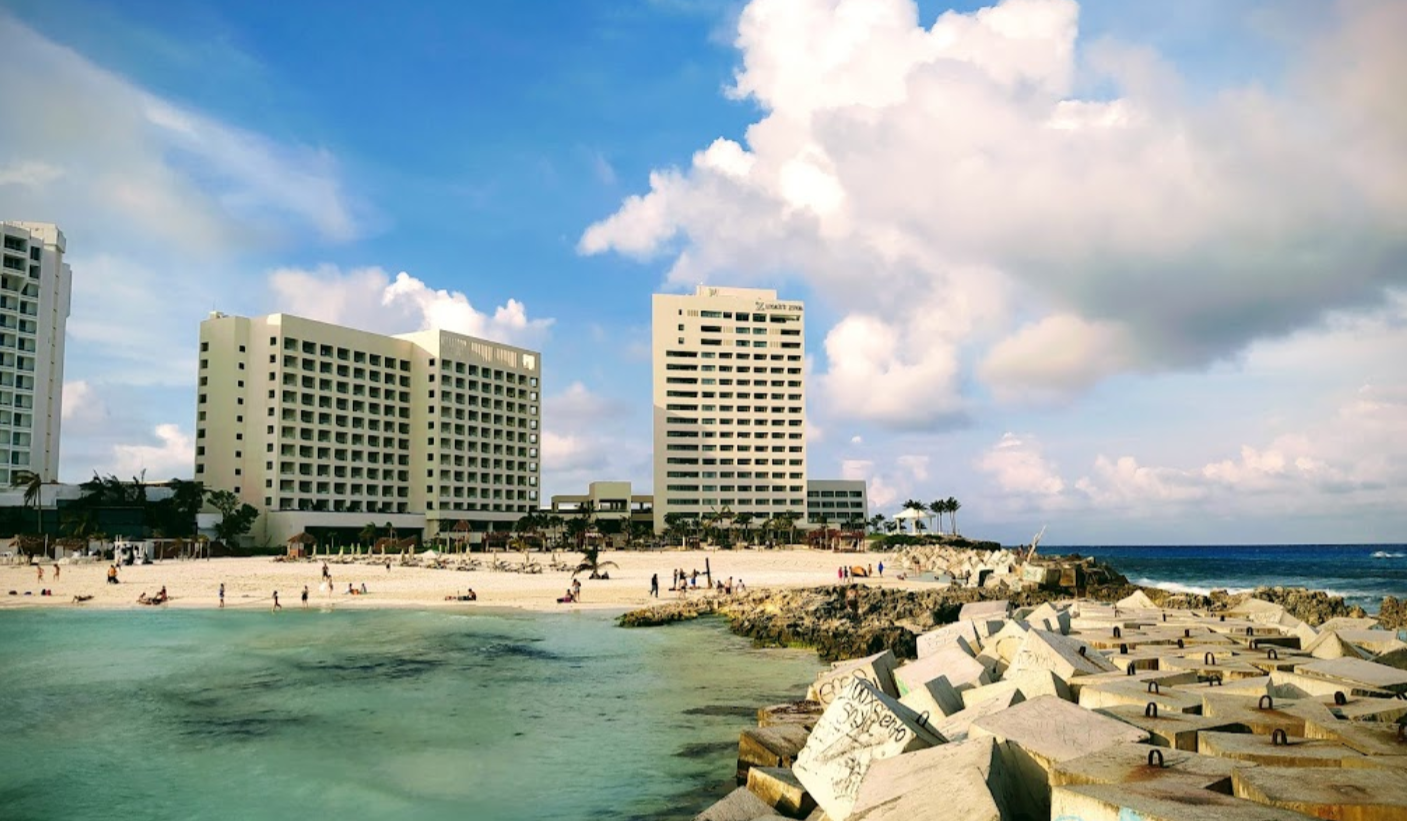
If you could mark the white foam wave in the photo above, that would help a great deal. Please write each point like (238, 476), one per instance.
(1178, 587)
(1383, 554)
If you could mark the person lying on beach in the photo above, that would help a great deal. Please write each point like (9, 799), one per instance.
(81, 599)
(470, 596)
(568, 598)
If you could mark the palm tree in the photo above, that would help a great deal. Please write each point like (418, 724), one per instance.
(33, 486)
(744, 523)
(953, 505)
(917, 506)
(939, 507)
(591, 560)
(877, 522)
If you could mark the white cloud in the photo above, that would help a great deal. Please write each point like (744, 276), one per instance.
(588, 437)
(1143, 230)
(171, 455)
(31, 174)
(887, 486)
(1018, 465)
(368, 299)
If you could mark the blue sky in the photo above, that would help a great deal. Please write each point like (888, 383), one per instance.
(1135, 271)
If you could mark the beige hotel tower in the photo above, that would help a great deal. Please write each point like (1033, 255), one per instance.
(322, 426)
(729, 404)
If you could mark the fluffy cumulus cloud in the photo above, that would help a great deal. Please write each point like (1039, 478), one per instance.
(1018, 465)
(169, 453)
(888, 484)
(589, 437)
(367, 298)
(985, 221)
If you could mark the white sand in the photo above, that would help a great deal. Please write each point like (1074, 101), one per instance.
(250, 582)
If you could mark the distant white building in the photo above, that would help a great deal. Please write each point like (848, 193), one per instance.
(35, 292)
(836, 502)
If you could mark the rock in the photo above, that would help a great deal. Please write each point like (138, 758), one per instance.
(861, 726)
(877, 669)
(1393, 614)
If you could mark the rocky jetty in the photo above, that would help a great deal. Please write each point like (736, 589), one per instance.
(1090, 710)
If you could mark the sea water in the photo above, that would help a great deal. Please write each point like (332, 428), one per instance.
(1362, 574)
(191, 714)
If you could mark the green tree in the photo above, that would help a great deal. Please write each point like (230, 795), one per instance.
(235, 517)
(368, 534)
(33, 486)
(744, 525)
(953, 506)
(877, 523)
(591, 561)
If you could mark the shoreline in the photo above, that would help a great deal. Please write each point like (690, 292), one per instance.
(251, 581)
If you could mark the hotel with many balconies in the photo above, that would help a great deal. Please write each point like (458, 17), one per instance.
(327, 429)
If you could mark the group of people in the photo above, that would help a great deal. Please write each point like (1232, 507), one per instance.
(573, 594)
(684, 582)
(468, 596)
(843, 572)
(159, 598)
(39, 568)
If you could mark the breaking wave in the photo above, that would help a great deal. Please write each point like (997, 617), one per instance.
(1178, 587)
(1383, 554)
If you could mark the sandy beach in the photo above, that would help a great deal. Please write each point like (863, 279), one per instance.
(251, 582)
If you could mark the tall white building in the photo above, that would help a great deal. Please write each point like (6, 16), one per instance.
(35, 291)
(323, 427)
(729, 404)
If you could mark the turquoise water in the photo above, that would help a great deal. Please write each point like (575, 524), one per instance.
(372, 715)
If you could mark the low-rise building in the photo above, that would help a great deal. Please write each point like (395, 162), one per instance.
(837, 503)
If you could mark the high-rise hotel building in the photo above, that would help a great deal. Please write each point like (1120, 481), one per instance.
(321, 426)
(35, 290)
(729, 404)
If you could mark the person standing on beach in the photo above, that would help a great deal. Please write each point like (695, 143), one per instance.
(881, 569)
(655, 585)
(40, 568)
(222, 594)
(576, 589)
(277, 606)
(56, 571)
(305, 597)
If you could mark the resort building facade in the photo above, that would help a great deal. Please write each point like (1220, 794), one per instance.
(327, 429)
(606, 502)
(729, 396)
(35, 293)
(836, 503)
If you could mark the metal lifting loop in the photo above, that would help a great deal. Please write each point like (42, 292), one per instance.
(1339, 698)
(1153, 688)
(1118, 633)
(1180, 644)
(1158, 754)
(1250, 631)
(1265, 703)
(1279, 738)
(1209, 658)
(1130, 670)
(1187, 633)
(1123, 649)
(1272, 654)
(1214, 680)
(1223, 618)
(1151, 711)
(1082, 650)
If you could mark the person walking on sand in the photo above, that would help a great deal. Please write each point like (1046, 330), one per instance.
(305, 597)
(655, 585)
(222, 594)
(40, 568)
(56, 571)
(881, 569)
(277, 606)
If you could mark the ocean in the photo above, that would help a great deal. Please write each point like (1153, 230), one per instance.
(1362, 574)
(191, 714)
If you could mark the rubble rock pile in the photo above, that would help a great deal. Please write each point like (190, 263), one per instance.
(1010, 569)
(1096, 711)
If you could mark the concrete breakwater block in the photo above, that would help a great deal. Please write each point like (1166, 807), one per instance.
(987, 616)
(738, 805)
(1164, 801)
(961, 670)
(779, 788)
(803, 713)
(861, 726)
(877, 669)
(775, 746)
(956, 726)
(950, 782)
(1362, 795)
(1165, 729)
(1065, 656)
(1130, 763)
(961, 633)
(1362, 676)
(1041, 733)
(935, 698)
(1263, 750)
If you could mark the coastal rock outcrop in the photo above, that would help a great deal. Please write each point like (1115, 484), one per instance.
(1393, 615)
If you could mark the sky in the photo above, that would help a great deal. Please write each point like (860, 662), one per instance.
(1133, 271)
